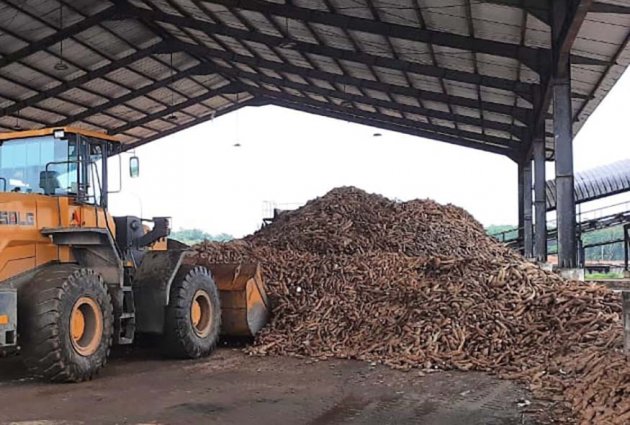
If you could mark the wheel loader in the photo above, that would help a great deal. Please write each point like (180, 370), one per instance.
(74, 280)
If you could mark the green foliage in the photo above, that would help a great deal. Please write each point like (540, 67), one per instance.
(607, 252)
(603, 276)
(497, 230)
(194, 236)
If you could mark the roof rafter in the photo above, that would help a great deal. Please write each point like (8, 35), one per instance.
(601, 7)
(541, 9)
(538, 8)
(172, 109)
(201, 69)
(522, 114)
(530, 56)
(416, 124)
(427, 128)
(57, 36)
(359, 118)
(197, 121)
(522, 89)
(209, 28)
(159, 47)
(519, 132)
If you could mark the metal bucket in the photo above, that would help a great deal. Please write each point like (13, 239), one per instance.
(244, 302)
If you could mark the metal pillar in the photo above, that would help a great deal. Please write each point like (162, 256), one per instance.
(528, 233)
(626, 246)
(521, 209)
(540, 200)
(626, 322)
(563, 132)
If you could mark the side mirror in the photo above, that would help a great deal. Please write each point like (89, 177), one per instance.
(134, 167)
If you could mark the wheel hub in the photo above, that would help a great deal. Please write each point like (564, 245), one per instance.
(86, 326)
(201, 313)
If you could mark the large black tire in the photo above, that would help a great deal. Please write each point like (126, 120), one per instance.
(45, 308)
(182, 337)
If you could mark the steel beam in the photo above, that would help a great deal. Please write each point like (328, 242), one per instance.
(527, 55)
(57, 36)
(541, 9)
(89, 76)
(171, 109)
(199, 120)
(600, 7)
(523, 114)
(538, 8)
(465, 135)
(528, 235)
(522, 89)
(540, 201)
(235, 73)
(202, 69)
(374, 120)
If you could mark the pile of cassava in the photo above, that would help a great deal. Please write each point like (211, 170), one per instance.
(420, 285)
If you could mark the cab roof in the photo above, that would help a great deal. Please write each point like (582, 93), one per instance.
(49, 131)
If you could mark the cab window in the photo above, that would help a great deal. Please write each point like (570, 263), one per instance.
(38, 165)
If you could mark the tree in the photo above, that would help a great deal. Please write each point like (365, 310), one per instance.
(195, 236)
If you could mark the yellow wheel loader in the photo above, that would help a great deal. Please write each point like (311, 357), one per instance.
(74, 280)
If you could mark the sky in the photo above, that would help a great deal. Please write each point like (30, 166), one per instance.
(200, 179)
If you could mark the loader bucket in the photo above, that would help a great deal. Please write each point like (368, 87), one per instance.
(244, 302)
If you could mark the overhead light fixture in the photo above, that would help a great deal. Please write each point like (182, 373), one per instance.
(287, 44)
(61, 65)
(376, 135)
(236, 145)
(172, 117)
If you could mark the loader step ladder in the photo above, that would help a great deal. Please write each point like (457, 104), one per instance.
(126, 321)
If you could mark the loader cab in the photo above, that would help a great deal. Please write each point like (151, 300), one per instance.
(57, 162)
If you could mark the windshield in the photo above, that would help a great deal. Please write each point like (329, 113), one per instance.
(38, 165)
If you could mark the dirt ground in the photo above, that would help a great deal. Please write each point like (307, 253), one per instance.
(232, 388)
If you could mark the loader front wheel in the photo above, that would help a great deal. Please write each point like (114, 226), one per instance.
(193, 315)
(66, 324)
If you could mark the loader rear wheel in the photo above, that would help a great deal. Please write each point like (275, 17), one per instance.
(66, 324)
(193, 315)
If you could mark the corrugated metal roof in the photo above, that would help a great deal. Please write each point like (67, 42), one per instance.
(596, 183)
(474, 73)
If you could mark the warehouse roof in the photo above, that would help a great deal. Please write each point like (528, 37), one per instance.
(596, 183)
(475, 73)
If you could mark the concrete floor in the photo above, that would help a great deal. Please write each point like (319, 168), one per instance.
(232, 388)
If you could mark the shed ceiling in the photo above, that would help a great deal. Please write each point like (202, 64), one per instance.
(468, 72)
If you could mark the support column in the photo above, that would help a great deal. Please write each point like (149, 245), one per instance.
(540, 200)
(563, 132)
(521, 209)
(626, 250)
(563, 135)
(528, 234)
